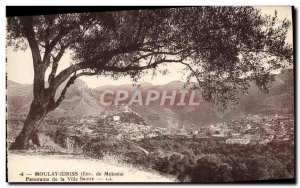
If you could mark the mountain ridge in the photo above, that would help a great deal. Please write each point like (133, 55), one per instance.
(84, 101)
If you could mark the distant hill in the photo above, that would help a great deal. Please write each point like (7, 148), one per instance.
(80, 100)
(128, 87)
(19, 97)
(83, 101)
(280, 99)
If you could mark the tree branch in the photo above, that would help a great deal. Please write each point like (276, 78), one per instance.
(55, 61)
(140, 68)
(66, 73)
(193, 71)
(63, 75)
(63, 31)
(54, 104)
(91, 63)
(30, 35)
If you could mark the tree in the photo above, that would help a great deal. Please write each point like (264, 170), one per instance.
(222, 48)
(211, 168)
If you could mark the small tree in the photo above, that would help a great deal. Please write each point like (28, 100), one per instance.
(222, 48)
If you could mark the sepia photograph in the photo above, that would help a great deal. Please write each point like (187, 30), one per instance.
(193, 94)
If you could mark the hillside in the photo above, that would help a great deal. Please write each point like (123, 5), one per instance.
(80, 100)
(83, 101)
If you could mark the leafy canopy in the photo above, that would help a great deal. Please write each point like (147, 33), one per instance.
(222, 48)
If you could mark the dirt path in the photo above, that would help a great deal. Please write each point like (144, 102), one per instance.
(47, 165)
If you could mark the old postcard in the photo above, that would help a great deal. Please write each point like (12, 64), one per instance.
(164, 95)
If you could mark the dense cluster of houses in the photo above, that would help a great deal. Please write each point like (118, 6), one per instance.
(136, 131)
(255, 129)
(251, 129)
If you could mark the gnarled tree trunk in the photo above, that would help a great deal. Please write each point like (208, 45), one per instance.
(30, 129)
(43, 98)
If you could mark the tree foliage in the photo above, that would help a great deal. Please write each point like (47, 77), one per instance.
(222, 48)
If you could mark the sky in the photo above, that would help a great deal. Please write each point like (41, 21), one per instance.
(20, 68)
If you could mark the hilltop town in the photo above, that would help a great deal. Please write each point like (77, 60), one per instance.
(124, 123)
(120, 122)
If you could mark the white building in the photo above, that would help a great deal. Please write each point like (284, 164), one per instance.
(220, 135)
(248, 126)
(120, 137)
(151, 135)
(135, 136)
(237, 141)
(116, 118)
(235, 134)
(127, 109)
